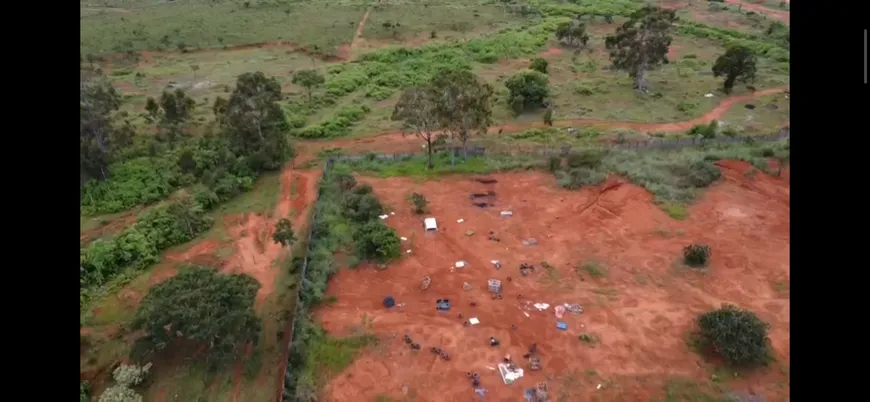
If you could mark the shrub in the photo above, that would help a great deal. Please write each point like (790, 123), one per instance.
(377, 241)
(362, 207)
(554, 163)
(530, 85)
(539, 64)
(548, 117)
(702, 174)
(589, 158)
(696, 255)
(418, 201)
(284, 233)
(580, 177)
(705, 130)
(737, 335)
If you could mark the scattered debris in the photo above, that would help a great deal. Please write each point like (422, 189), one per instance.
(527, 314)
(430, 224)
(383, 216)
(389, 302)
(496, 263)
(466, 286)
(508, 375)
(561, 325)
(469, 233)
(459, 264)
(573, 308)
(460, 220)
(534, 363)
(530, 242)
(497, 296)
(474, 321)
(560, 311)
(404, 238)
(442, 304)
(425, 282)
(480, 204)
(493, 341)
(541, 306)
(525, 268)
(480, 391)
(491, 368)
(507, 213)
(492, 236)
(710, 95)
(598, 387)
(494, 285)
(408, 251)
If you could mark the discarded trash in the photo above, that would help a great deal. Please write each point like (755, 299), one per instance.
(404, 238)
(561, 325)
(491, 368)
(466, 286)
(530, 242)
(389, 302)
(541, 306)
(708, 95)
(383, 216)
(598, 387)
(509, 376)
(442, 304)
(527, 314)
(469, 233)
(480, 391)
(493, 341)
(560, 311)
(460, 220)
(392, 213)
(494, 285)
(507, 213)
(408, 251)
(430, 224)
(473, 321)
(573, 308)
(496, 263)
(459, 264)
(425, 282)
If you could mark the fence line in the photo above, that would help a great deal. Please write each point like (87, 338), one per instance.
(564, 150)
(287, 377)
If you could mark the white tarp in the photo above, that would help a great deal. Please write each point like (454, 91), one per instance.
(430, 224)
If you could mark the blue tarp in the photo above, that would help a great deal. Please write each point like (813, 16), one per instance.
(442, 304)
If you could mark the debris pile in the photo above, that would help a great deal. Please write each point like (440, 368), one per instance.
(425, 283)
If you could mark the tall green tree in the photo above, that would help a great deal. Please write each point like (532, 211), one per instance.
(417, 110)
(177, 106)
(309, 79)
(463, 103)
(97, 101)
(528, 88)
(255, 123)
(202, 306)
(642, 43)
(572, 33)
(738, 63)
(284, 233)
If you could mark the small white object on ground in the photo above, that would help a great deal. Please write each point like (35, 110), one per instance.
(527, 314)
(507, 213)
(460, 220)
(383, 216)
(708, 95)
(598, 387)
(430, 224)
(404, 238)
(392, 213)
(541, 306)
(508, 375)
(494, 262)
(473, 321)
(408, 251)
(459, 264)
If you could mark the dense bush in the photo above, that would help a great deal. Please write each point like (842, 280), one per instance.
(554, 163)
(138, 246)
(702, 173)
(576, 178)
(737, 335)
(361, 205)
(418, 202)
(539, 64)
(374, 240)
(696, 255)
(338, 125)
(588, 158)
(528, 89)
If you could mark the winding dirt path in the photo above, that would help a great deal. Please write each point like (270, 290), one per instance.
(394, 141)
(345, 51)
(779, 15)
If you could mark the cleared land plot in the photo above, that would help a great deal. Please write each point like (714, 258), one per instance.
(766, 115)
(639, 304)
(185, 25)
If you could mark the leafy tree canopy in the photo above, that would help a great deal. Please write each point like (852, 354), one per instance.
(200, 305)
(309, 79)
(642, 43)
(572, 33)
(737, 64)
(738, 335)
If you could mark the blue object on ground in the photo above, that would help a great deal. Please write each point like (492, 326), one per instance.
(389, 302)
(442, 304)
(561, 325)
(530, 395)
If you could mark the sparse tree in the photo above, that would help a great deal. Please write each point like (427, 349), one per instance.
(194, 68)
(528, 88)
(416, 109)
(255, 123)
(309, 79)
(202, 306)
(738, 63)
(539, 64)
(641, 44)
(152, 108)
(548, 117)
(97, 101)
(284, 233)
(419, 202)
(176, 106)
(464, 103)
(572, 33)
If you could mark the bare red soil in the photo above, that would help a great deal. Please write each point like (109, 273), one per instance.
(641, 310)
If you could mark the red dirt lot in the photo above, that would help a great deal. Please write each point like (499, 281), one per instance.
(641, 310)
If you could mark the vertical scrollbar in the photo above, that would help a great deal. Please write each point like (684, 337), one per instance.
(865, 56)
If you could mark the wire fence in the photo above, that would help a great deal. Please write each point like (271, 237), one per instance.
(301, 307)
(564, 150)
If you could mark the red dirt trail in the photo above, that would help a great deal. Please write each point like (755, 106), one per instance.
(640, 311)
(344, 51)
(397, 142)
